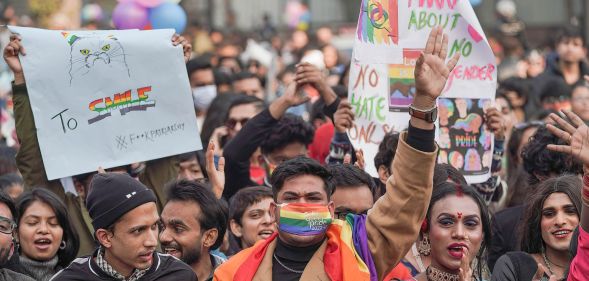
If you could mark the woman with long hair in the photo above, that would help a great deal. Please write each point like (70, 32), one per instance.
(454, 234)
(47, 240)
(549, 221)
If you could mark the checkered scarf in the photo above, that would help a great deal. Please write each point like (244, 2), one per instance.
(103, 264)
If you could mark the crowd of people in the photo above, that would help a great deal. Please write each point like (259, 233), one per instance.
(280, 193)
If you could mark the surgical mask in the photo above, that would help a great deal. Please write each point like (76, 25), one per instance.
(203, 96)
(304, 219)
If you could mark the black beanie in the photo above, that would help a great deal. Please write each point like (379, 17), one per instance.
(111, 195)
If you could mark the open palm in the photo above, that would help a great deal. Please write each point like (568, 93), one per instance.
(431, 70)
(574, 132)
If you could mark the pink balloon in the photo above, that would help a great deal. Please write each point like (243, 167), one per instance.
(128, 15)
(149, 3)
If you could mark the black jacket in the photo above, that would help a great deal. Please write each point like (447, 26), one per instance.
(505, 233)
(164, 268)
(551, 73)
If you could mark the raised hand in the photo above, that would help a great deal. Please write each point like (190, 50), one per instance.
(574, 132)
(540, 273)
(216, 174)
(216, 137)
(293, 96)
(11, 52)
(307, 73)
(360, 162)
(465, 272)
(495, 123)
(186, 47)
(431, 70)
(343, 118)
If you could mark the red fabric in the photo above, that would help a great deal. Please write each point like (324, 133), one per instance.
(319, 148)
(250, 265)
(400, 272)
(579, 268)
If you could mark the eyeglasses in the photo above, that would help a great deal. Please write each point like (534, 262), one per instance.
(342, 214)
(7, 226)
(231, 123)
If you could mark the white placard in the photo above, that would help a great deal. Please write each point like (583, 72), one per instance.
(107, 98)
(390, 36)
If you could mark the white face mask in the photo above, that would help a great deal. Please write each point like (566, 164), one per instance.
(203, 96)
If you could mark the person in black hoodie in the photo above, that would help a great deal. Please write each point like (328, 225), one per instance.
(126, 225)
(567, 64)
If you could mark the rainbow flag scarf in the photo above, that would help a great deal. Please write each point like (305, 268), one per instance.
(347, 245)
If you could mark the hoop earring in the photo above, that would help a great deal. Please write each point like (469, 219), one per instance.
(62, 245)
(423, 246)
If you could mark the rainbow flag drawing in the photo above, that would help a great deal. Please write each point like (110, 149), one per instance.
(402, 82)
(378, 22)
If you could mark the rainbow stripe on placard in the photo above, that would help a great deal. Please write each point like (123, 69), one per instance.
(70, 38)
(378, 22)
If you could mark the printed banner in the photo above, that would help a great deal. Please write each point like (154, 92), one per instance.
(390, 37)
(463, 138)
(107, 98)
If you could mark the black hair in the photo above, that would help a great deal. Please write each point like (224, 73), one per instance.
(517, 177)
(502, 95)
(213, 215)
(350, 176)
(340, 91)
(246, 197)
(244, 75)
(554, 88)
(446, 189)
(199, 156)
(221, 78)
(9, 180)
(542, 163)
(216, 115)
(531, 233)
(6, 200)
(7, 160)
(515, 84)
(386, 151)
(198, 63)
(446, 172)
(291, 68)
(238, 203)
(221, 59)
(299, 166)
(70, 236)
(569, 32)
(289, 129)
(241, 99)
(317, 111)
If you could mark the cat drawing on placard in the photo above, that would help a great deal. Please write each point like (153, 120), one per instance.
(88, 53)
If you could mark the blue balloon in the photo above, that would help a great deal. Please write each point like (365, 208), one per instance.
(475, 3)
(168, 15)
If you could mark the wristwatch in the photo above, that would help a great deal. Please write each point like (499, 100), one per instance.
(428, 115)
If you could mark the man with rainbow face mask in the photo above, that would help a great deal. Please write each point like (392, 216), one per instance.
(311, 244)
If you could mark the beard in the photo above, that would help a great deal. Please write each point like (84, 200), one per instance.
(190, 255)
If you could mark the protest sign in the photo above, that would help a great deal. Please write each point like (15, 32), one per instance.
(390, 37)
(107, 98)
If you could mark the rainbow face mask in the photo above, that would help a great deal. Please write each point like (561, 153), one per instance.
(304, 219)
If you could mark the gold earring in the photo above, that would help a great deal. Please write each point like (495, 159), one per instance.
(424, 246)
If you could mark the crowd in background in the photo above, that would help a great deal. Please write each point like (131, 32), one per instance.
(274, 112)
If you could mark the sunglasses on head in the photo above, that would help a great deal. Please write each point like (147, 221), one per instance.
(231, 123)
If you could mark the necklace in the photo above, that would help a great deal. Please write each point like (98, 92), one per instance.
(286, 267)
(434, 274)
(548, 263)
